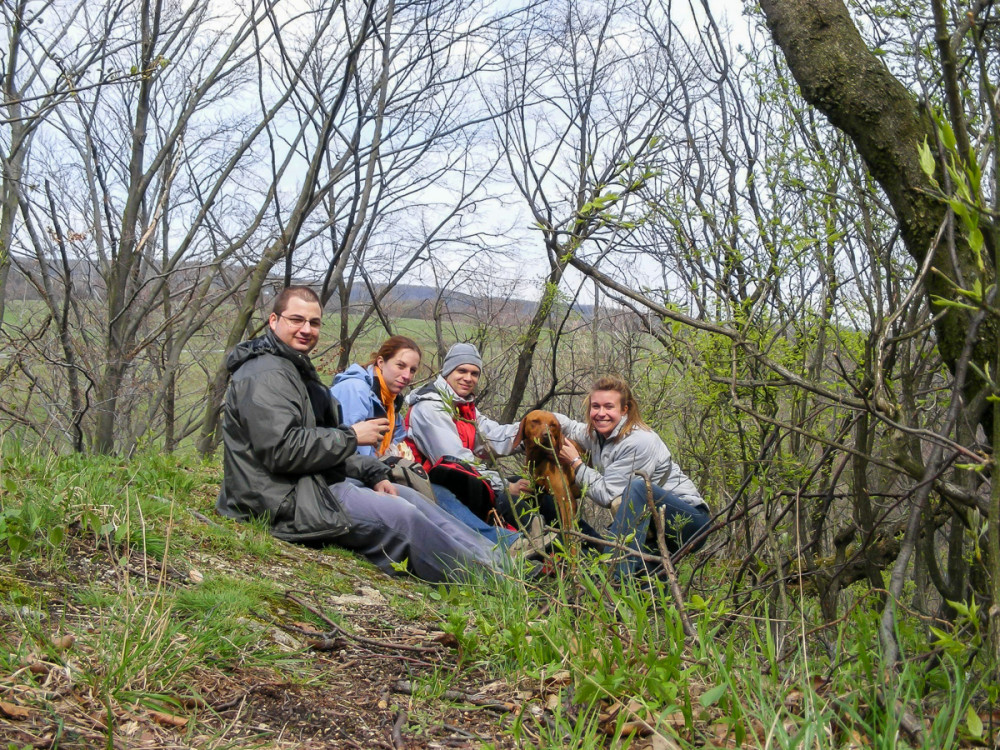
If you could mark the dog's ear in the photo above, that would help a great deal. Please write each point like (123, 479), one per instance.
(520, 433)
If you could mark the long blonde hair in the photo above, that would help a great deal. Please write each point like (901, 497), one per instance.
(630, 405)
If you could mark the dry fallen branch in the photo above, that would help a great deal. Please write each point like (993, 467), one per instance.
(397, 730)
(668, 566)
(373, 642)
(406, 688)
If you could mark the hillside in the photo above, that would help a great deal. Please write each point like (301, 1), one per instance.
(404, 300)
(158, 624)
(137, 618)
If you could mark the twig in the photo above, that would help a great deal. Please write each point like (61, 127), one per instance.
(203, 518)
(455, 729)
(611, 544)
(668, 566)
(406, 688)
(373, 642)
(231, 703)
(397, 730)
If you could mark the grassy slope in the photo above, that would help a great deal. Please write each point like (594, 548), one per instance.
(137, 618)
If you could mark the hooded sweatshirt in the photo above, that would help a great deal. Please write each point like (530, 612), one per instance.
(356, 389)
(617, 458)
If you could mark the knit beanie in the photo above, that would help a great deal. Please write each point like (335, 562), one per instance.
(460, 354)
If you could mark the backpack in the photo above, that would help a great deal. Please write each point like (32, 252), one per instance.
(410, 474)
(468, 486)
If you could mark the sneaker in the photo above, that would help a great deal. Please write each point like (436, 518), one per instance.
(533, 542)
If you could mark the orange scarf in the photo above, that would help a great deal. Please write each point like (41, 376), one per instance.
(389, 402)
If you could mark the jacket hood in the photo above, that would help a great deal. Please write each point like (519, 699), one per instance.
(270, 344)
(356, 372)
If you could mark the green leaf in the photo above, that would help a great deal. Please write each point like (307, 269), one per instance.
(927, 159)
(972, 172)
(959, 607)
(943, 637)
(976, 293)
(947, 135)
(973, 722)
(711, 697)
(17, 544)
(976, 244)
(943, 302)
(56, 535)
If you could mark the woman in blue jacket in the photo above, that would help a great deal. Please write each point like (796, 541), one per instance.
(376, 390)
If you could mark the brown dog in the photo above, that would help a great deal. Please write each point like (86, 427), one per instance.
(542, 437)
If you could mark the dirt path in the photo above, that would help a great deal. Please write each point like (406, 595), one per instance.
(334, 688)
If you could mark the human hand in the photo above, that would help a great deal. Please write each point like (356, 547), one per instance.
(371, 431)
(385, 487)
(516, 488)
(568, 452)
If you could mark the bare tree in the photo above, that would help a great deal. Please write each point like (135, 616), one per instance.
(220, 144)
(584, 118)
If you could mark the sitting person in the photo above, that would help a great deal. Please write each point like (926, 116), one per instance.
(443, 422)
(288, 460)
(620, 444)
(376, 389)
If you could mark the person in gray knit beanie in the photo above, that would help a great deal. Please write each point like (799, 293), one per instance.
(460, 354)
(443, 421)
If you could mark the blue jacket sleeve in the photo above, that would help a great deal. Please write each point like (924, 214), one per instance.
(355, 400)
(356, 405)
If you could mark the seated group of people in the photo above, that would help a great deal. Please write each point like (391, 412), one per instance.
(308, 458)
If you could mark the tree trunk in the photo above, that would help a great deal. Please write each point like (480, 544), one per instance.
(208, 437)
(529, 343)
(13, 163)
(839, 75)
(121, 277)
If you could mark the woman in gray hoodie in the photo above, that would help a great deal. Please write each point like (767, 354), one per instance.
(621, 446)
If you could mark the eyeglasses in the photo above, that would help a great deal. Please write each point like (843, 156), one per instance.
(297, 321)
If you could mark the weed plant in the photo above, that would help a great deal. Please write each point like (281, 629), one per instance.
(611, 663)
(97, 556)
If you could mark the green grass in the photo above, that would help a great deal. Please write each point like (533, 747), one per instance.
(103, 550)
(109, 552)
(608, 660)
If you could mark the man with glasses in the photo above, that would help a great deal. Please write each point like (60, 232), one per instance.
(289, 460)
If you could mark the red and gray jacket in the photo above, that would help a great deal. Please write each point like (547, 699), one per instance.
(440, 423)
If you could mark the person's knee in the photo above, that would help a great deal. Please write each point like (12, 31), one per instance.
(697, 529)
(407, 514)
(635, 494)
